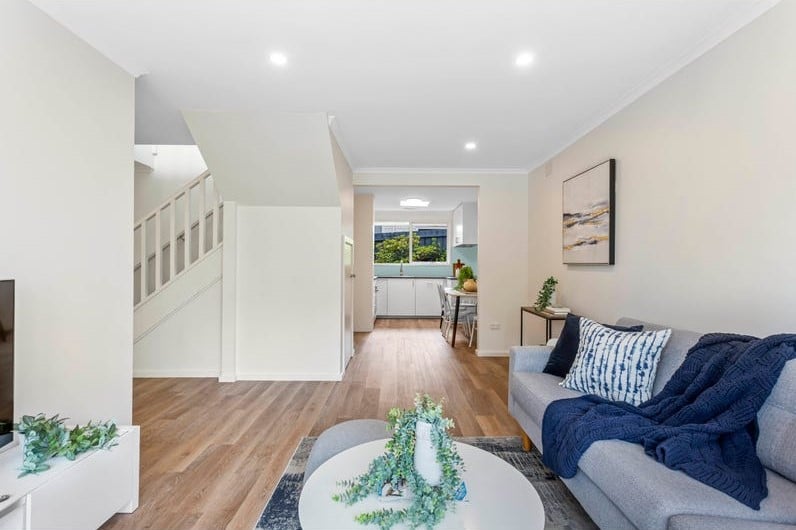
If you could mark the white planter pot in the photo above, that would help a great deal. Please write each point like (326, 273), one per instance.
(426, 454)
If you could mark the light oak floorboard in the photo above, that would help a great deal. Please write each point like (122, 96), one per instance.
(212, 453)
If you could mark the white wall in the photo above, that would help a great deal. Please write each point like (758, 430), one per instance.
(363, 262)
(66, 181)
(502, 244)
(418, 216)
(185, 344)
(706, 183)
(288, 310)
(268, 159)
(172, 168)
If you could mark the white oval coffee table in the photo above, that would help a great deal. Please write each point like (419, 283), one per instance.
(498, 496)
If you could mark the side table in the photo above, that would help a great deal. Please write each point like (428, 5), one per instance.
(541, 314)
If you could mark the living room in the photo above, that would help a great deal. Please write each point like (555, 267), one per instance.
(693, 101)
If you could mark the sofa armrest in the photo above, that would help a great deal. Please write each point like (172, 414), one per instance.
(528, 358)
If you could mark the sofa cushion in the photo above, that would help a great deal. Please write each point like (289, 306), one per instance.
(616, 365)
(566, 347)
(776, 445)
(534, 391)
(672, 355)
(648, 493)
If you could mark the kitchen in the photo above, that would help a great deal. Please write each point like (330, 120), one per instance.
(408, 271)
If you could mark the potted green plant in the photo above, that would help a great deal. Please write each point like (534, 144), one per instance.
(465, 275)
(418, 435)
(45, 438)
(545, 296)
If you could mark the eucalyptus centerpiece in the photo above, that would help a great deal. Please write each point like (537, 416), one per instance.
(433, 483)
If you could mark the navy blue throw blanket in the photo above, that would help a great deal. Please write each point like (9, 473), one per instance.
(703, 422)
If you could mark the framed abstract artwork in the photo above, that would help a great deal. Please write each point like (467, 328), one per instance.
(588, 216)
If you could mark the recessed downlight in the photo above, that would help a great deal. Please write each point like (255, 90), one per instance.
(278, 58)
(524, 60)
(414, 202)
(471, 146)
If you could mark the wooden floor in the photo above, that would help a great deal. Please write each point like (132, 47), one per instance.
(211, 453)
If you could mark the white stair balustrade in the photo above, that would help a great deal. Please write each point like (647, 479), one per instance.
(175, 236)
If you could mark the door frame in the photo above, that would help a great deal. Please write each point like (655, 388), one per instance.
(346, 356)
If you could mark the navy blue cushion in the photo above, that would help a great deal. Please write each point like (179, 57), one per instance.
(563, 355)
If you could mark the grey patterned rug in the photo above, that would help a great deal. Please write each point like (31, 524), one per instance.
(562, 511)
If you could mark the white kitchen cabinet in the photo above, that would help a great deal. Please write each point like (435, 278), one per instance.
(427, 303)
(465, 225)
(401, 297)
(380, 285)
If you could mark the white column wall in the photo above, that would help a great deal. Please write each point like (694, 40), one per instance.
(66, 217)
(363, 262)
(288, 296)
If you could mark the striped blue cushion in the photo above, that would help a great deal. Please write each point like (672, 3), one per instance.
(616, 365)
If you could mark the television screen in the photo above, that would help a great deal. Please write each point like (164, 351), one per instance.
(6, 360)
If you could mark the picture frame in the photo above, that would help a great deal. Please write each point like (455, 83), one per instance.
(588, 216)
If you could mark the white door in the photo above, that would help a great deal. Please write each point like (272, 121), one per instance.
(427, 302)
(400, 297)
(348, 301)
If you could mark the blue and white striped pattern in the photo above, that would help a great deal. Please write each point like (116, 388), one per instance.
(616, 365)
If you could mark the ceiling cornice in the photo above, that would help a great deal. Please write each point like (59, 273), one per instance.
(438, 171)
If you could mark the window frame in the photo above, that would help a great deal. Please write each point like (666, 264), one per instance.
(412, 224)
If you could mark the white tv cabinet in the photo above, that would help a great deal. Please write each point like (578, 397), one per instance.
(83, 493)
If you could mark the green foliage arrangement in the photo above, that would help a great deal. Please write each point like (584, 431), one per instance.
(465, 273)
(396, 250)
(546, 293)
(397, 466)
(46, 438)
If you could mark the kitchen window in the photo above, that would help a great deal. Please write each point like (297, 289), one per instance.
(428, 244)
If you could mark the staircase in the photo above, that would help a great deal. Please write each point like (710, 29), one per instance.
(176, 237)
(177, 275)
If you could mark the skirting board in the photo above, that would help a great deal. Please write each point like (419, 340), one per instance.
(174, 373)
(279, 376)
(492, 353)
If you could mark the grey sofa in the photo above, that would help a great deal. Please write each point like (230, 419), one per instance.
(621, 487)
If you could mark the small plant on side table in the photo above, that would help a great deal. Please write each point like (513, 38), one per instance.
(397, 467)
(546, 293)
(46, 438)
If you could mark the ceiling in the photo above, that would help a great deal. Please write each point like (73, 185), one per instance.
(409, 81)
(442, 198)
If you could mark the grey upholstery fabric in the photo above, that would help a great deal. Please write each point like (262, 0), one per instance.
(672, 355)
(776, 446)
(343, 436)
(528, 358)
(648, 493)
(599, 507)
(706, 522)
(535, 391)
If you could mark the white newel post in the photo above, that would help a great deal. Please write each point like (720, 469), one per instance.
(426, 454)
